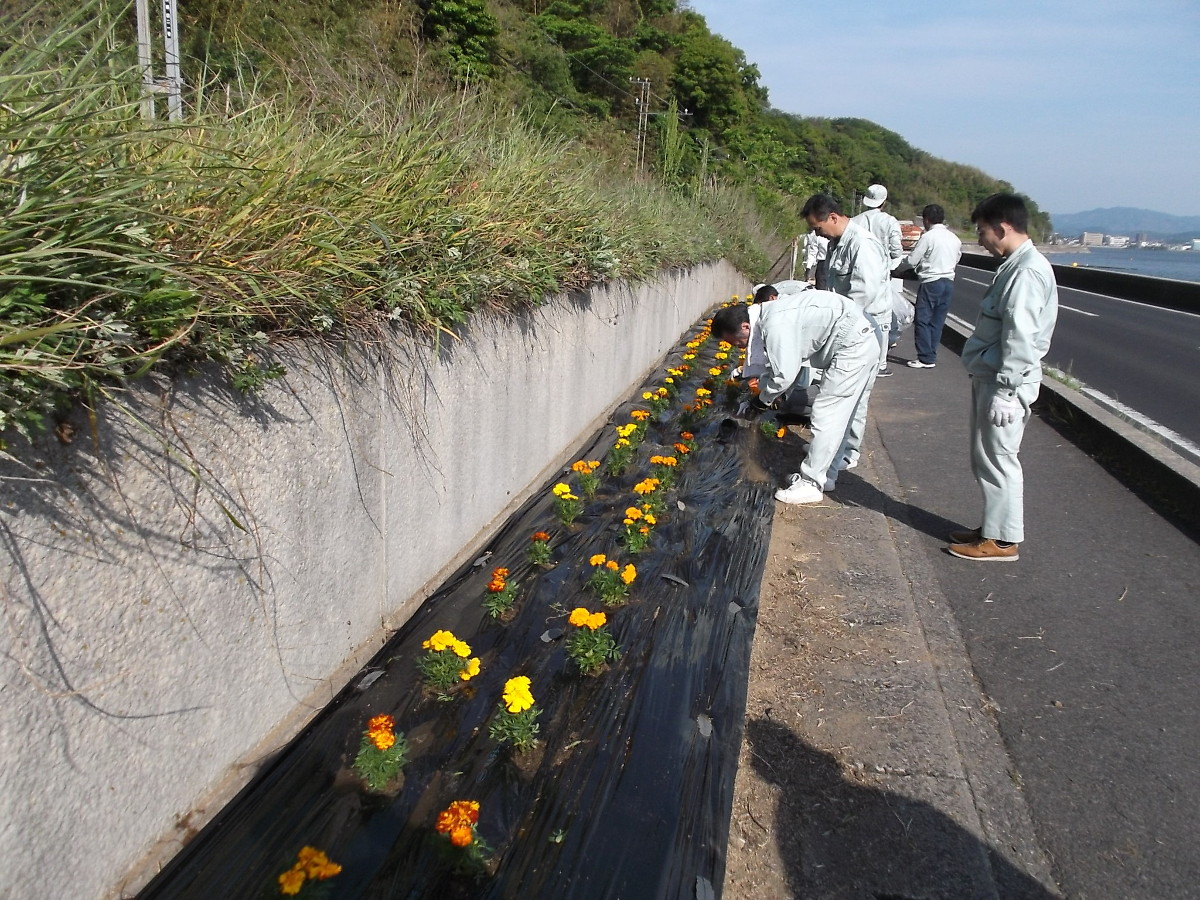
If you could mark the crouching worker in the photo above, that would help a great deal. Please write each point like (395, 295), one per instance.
(828, 332)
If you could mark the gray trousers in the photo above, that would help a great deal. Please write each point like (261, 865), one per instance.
(839, 412)
(995, 465)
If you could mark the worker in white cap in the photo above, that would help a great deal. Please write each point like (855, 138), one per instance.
(887, 230)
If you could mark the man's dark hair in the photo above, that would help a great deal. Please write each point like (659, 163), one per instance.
(819, 206)
(933, 214)
(1002, 208)
(729, 320)
(765, 293)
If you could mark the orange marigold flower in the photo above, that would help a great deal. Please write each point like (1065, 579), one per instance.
(291, 881)
(686, 435)
(381, 723)
(640, 414)
(682, 448)
(579, 616)
(540, 536)
(316, 864)
(383, 740)
(597, 559)
(497, 585)
(628, 574)
(462, 836)
(781, 432)
(596, 620)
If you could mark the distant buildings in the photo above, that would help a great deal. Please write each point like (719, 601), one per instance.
(1091, 239)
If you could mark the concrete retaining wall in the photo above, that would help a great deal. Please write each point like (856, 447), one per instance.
(191, 577)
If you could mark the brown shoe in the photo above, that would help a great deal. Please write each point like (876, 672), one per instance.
(966, 537)
(985, 551)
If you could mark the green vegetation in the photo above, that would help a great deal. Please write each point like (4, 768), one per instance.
(349, 167)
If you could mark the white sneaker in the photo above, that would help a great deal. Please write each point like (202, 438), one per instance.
(800, 491)
(850, 462)
(917, 364)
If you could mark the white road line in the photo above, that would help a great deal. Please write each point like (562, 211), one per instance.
(1173, 440)
(973, 281)
(1083, 312)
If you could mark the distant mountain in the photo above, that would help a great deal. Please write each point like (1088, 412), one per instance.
(1128, 221)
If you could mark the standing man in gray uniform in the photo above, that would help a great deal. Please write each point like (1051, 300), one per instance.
(825, 331)
(887, 231)
(1004, 360)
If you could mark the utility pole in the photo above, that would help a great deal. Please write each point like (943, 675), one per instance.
(171, 83)
(643, 105)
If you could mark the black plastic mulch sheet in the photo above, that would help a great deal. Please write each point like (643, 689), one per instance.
(629, 794)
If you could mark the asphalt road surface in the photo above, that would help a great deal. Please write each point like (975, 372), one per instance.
(1088, 646)
(1144, 357)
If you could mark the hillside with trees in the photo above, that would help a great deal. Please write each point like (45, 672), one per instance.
(574, 65)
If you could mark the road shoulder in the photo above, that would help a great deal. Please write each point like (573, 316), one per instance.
(872, 764)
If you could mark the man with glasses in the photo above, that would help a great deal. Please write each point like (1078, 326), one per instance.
(1004, 359)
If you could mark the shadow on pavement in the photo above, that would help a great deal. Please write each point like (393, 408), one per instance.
(841, 837)
(855, 491)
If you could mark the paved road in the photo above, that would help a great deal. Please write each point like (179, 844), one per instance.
(1145, 357)
(1087, 645)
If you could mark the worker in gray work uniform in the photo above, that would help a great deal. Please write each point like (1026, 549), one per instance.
(825, 331)
(1004, 359)
(886, 229)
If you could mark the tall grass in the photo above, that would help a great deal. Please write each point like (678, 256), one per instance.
(347, 206)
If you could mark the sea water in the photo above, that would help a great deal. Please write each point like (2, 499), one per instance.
(1179, 265)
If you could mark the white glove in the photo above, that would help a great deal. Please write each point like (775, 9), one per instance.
(735, 372)
(1004, 410)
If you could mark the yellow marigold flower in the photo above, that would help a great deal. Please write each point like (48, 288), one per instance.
(291, 881)
(724, 346)
(668, 461)
(612, 565)
(668, 380)
(597, 559)
(560, 489)
(628, 574)
(662, 392)
(655, 460)
(646, 395)
(626, 430)
(688, 356)
(640, 414)
(633, 513)
(439, 641)
(471, 670)
(517, 697)
(461, 648)
(596, 620)
(702, 392)
(715, 370)
(781, 432)
(650, 520)
(720, 356)
(579, 616)
(622, 442)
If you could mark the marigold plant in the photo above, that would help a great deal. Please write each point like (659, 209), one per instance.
(382, 753)
(610, 580)
(516, 716)
(591, 645)
(501, 593)
(539, 548)
(567, 504)
(589, 481)
(311, 865)
(446, 663)
(639, 527)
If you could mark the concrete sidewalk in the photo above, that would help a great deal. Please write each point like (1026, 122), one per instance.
(1045, 749)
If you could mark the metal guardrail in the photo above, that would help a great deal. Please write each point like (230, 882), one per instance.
(1163, 292)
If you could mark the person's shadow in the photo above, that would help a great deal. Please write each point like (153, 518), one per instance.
(839, 839)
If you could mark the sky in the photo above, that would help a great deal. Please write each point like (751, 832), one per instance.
(1079, 105)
